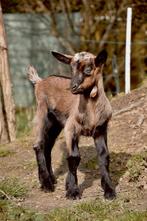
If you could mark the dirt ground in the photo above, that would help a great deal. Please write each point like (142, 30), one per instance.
(127, 137)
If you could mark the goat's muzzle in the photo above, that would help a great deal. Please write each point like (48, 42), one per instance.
(75, 85)
(76, 89)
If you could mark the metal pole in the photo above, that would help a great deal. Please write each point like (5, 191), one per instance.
(128, 50)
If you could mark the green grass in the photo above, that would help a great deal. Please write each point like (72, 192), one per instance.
(133, 216)
(90, 211)
(12, 187)
(5, 152)
(11, 212)
(91, 164)
(24, 117)
(136, 165)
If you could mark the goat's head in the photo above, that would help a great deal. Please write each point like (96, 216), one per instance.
(86, 69)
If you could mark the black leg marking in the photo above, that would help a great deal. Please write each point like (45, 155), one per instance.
(44, 177)
(41, 123)
(49, 130)
(72, 188)
(50, 137)
(73, 191)
(100, 138)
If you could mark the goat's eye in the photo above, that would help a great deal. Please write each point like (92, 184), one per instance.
(87, 71)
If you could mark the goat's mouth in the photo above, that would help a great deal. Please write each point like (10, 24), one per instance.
(77, 90)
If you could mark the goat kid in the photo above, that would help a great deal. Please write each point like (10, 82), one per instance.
(86, 111)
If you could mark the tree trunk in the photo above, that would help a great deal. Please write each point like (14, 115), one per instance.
(7, 108)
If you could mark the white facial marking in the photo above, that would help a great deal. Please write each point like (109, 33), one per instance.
(82, 56)
(77, 57)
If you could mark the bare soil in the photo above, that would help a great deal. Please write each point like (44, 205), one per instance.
(127, 137)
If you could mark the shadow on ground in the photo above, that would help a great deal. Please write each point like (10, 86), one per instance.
(89, 166)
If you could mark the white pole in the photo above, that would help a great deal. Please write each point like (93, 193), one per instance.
(128, 50)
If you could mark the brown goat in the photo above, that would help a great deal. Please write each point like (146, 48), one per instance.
(82, 110)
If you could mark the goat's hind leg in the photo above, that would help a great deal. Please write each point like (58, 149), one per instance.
(100, 139)
(51, 133)
(44, 177)
(40, 125)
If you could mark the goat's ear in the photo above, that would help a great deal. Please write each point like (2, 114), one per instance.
(62, 57)
(101, 58)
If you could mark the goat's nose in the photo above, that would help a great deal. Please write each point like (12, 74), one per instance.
(74, 86)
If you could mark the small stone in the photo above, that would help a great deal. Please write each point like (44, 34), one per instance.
(141, 186)
(127, 200)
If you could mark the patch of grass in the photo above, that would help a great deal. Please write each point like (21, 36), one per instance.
(5, 153)
(24, 118)
(118, 166)
(90, 211)
(11, 212)
(84, 211)
(12, 187)
(91, 164)
(133, 216)
(95, 210)
(136, 165)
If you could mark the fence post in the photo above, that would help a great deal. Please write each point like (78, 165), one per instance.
(128, 51)
(115, 73)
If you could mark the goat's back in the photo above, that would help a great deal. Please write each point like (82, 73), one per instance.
(55, 92)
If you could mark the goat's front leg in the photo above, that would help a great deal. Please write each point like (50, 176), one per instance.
(40, 121)
(73, 159)
(100, 139)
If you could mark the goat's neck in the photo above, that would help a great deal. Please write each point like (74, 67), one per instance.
(100, 90)
(85, 99)
(100, 86)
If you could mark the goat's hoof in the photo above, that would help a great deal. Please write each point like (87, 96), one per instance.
(110, 195)
(54, 180)
(47, 186)
(73, 193)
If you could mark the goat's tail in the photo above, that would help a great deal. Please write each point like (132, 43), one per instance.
(33, 75)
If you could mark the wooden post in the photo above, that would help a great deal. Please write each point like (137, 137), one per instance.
(5, 83)
(128, 51)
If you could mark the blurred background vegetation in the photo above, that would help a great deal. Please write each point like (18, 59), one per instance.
(72, 26)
